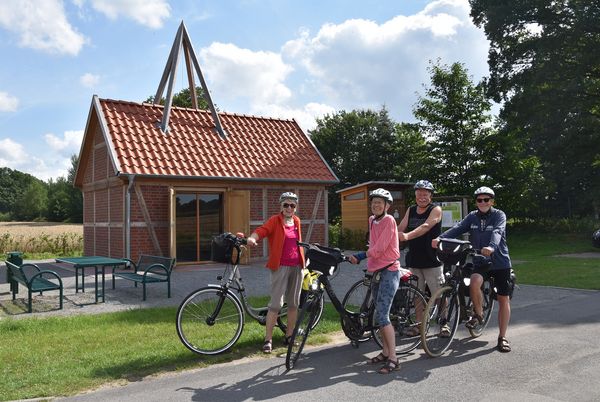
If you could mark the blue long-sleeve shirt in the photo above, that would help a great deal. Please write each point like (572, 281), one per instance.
(486, 230)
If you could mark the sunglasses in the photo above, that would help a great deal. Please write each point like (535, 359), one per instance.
(286, 205)
(480, 200)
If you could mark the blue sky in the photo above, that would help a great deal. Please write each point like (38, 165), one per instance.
(295, 59)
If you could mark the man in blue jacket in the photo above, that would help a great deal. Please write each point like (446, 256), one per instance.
(487, 229)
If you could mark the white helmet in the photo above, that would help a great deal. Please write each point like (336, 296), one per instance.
(381, 193)
(288, 196)
(484, 190)
(424, 184)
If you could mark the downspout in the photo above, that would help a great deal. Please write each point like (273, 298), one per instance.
(131, 178)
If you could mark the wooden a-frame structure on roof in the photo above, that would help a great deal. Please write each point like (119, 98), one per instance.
(183, 42)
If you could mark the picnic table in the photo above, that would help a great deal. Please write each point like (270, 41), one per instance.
(98, 263)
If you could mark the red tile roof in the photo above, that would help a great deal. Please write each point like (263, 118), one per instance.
(255, 148)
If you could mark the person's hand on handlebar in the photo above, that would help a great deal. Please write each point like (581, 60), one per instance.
(435, 242)
(487, 251)
(352, 259)
(251, 240)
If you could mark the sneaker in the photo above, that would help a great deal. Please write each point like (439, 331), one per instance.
(267, 347)
(445, 331)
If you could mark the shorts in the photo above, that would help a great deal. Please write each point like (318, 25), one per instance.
(433, 277)
(502, 281)
(383, 293)
(286, 281)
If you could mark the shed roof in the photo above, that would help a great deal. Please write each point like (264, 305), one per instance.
(256, 148)
(391, 184)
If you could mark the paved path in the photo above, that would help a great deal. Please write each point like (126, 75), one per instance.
(556, 356)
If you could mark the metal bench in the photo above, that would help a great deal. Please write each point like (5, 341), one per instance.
(35, 279)
(149, 269)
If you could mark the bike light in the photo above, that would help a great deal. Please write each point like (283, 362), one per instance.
(467, 281)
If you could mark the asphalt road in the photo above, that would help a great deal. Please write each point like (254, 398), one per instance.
(555, 336)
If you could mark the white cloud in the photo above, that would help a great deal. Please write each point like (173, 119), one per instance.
(150, 13)
(41, 25)
(363, 64)
(305, 116)
(89, 80)
(235, 72)
(8, 103)
(68, 144)
(42, 165)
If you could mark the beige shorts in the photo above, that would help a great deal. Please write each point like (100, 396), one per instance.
(433, 277)
(286, 281)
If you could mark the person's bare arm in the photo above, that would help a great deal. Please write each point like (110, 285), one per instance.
(434, 217)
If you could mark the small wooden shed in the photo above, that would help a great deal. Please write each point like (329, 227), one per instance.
(355, 202)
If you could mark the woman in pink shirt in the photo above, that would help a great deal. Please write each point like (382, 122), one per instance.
(286, 260)
(383, 255)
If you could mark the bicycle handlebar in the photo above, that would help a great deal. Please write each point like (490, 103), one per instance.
(323, 248)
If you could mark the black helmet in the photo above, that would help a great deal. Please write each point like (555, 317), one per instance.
(596, 238)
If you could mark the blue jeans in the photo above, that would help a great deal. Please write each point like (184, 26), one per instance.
(383, 294)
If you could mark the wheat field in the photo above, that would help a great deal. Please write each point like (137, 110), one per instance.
(41, 238)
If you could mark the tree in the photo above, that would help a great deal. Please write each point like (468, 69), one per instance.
(12, 186)
(359, 146)
(75, 197)
(33, 203)
(184, 99)
(544, 65)
(454, 114)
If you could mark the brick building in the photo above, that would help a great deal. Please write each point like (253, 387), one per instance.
(147, 191)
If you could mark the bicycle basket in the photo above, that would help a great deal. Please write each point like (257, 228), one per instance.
(453, 251)
(323, 259)
(221, 248)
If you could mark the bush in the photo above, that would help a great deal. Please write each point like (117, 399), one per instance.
(5, 217)
(346, 239)
(548, 225)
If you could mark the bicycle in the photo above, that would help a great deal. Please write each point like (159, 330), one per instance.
(450, 304)
(210, 320)
(355, 324)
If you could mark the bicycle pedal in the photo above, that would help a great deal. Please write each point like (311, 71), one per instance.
(219, 277)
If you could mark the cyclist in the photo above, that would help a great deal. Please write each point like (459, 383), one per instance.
(383, 255)
(421, 224)
(487, 228)
(286, 261)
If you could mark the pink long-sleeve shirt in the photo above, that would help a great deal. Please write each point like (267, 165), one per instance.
(384, 248)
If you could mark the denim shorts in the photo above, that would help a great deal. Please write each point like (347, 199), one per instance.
(383, 293)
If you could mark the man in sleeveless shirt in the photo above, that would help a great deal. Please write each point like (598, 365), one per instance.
(421, 224)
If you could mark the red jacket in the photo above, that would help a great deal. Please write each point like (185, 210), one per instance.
(273, 229)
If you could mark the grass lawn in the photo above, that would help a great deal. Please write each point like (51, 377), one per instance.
(537, 262)
(41, 357)
(66, 355)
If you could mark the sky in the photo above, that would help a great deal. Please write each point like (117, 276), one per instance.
(300, 59)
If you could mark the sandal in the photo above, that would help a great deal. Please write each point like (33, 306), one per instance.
(445, 331)
(474, 321)
(267, 347)
(503, 345)
(380, 358)
(412, 331)
(389, 366)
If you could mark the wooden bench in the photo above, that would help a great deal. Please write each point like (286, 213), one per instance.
(149, 269)
(35, 279)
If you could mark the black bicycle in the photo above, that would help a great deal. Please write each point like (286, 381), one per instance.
(451, 304)
(210, 320)
(358, 308)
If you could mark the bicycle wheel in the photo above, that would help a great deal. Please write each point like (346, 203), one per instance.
(403, 316)
(354, 302)
(302, 329)
(442, 314)
(488, 306)
(209, 321)
(282, 318)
